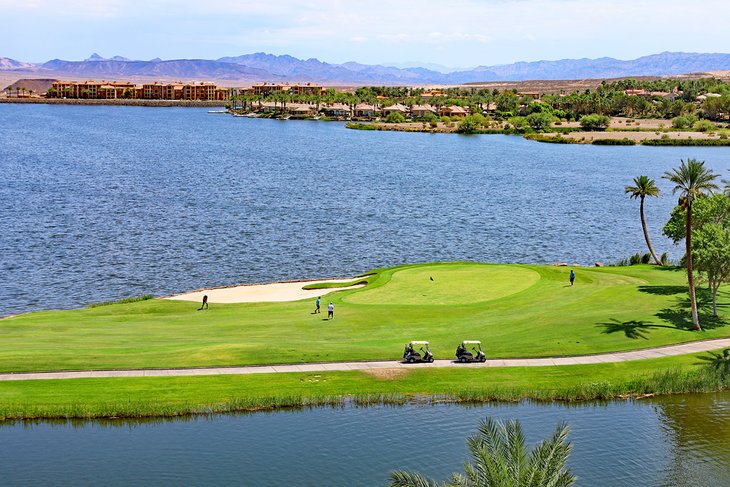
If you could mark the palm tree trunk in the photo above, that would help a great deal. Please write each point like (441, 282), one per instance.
(690, 272)
(646, 233)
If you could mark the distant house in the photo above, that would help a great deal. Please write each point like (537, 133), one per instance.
(363, 110)
(301, 109)
(453, 111)
(336, 110)
(422, 110)
(397, 108)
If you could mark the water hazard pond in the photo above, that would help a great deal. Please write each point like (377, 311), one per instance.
(677, 440)
(101, 203)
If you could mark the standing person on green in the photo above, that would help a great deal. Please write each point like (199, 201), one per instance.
(331, 311)
(572, 277)
(316, 306)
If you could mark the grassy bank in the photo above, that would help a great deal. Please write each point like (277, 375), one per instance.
(515, 310)
(171, 396)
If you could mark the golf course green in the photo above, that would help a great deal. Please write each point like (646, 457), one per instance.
(515, 310)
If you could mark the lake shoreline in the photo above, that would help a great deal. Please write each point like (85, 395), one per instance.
(140, 397)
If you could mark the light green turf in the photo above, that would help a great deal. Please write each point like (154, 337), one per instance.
(608, 309)
(449, 285)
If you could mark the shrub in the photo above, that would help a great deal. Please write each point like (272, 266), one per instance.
(703, 125)
(664, 259)
(646, 258)
(623, 141)
(518, 122)
(470, 123)
(683, 122)
(429, 117)
(395, 117)
(595, 122)
(635, 259)
(539, 120)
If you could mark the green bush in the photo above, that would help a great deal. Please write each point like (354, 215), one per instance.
(703, 125)
(687, 142)
(395, 117)
(635, 259)
(471, 123)
(623, 141)
(555, 139)
(539, 120)
(595, 122)
(684, 121)
(518, 122)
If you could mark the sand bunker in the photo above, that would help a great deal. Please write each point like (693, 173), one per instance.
(265, 293)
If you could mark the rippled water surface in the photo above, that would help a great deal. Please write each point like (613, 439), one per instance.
(101, 203)
(671, 441)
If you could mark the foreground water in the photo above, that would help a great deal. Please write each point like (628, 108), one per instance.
(670, 441)
(101, 203)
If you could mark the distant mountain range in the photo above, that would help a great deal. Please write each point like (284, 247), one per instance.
(268, 67)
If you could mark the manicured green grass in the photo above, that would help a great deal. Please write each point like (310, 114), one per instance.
(516, 311)
(159, 396)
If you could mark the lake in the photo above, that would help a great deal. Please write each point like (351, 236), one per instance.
(669, 441)
(100, 203)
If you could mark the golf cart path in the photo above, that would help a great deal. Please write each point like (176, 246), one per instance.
(647, 353)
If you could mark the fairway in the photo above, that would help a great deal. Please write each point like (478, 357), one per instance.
(515, 310)
(449, 285)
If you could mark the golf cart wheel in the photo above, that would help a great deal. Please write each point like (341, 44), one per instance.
(411, 360)
(462, 359)
(483, 359)
(430, 360)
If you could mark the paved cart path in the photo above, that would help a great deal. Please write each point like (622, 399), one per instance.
(648, 353)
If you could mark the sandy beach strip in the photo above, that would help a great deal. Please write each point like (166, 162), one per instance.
(265, 293)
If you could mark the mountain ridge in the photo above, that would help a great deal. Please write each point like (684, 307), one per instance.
(261, 66)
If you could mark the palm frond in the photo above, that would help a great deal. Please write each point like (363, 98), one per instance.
(400, 478)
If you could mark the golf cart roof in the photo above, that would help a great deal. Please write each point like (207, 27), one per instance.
(416, 342)
(471, 342)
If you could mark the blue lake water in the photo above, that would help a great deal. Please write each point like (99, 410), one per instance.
(101, 203)
(670, 441)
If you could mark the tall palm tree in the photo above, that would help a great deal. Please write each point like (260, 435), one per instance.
(500, 459)
(643, 187)
(692, 180)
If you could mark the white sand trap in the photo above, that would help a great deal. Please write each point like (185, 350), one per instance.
(264, 293)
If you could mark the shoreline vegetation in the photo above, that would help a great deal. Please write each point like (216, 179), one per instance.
(609, 309)
(181, 396)
(661, 112)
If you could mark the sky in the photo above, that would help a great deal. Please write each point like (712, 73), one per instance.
(451, 33)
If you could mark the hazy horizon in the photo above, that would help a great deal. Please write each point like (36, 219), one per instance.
(464, 33)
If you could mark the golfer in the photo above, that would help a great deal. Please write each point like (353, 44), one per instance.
(316, 306)
(572, 277)
(330, 311)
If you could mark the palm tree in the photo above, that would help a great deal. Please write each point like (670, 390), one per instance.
(500, 459)
(643, 187)
(692, 180)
